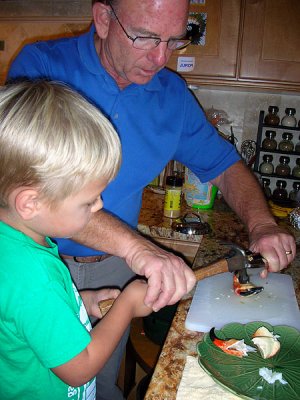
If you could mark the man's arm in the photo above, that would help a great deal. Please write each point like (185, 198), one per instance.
(244, 195)
(169, 278)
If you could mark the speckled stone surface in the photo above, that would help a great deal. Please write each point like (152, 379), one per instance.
(152, 221)
(180, 342)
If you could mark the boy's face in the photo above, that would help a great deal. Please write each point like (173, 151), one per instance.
(69, 216)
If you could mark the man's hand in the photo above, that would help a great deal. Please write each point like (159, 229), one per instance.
(244, 195)
(169, 278)
(276, 245)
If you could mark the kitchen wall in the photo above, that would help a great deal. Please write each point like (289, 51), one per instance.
(242, 107)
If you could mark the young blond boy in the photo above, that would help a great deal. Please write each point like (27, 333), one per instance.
(57, 154)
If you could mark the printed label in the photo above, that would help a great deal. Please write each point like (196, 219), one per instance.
(185, 64)
(172, 200)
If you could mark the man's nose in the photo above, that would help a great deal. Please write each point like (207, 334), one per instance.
(160, 54)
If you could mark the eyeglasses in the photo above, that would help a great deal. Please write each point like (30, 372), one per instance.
(148, 42)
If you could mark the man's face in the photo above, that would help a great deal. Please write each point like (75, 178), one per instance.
(163, 19)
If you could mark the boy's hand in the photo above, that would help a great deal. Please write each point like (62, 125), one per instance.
(133, 295)
(91, 298)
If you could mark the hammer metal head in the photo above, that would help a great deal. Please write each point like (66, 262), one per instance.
(239, 259)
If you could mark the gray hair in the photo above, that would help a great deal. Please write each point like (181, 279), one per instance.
(112, 2)
(53, 139)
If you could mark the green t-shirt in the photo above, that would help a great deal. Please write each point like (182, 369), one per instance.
(43, 322)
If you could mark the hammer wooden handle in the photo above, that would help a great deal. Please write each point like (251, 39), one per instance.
(213, 269)
(105, 305)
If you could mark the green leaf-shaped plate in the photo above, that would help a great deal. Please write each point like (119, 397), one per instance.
(241, 375)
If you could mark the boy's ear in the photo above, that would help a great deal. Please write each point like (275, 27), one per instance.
(101, 17)
(27, 203)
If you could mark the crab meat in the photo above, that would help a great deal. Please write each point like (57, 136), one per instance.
(266, 342)
(271, 376)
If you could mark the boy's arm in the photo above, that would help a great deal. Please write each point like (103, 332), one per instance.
(105, 336)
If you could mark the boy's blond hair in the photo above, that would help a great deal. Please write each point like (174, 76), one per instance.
(53, 139)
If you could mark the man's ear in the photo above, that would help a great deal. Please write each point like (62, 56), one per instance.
(101, 17)
(27, 203)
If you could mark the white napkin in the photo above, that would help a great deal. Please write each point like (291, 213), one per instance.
(197, 384)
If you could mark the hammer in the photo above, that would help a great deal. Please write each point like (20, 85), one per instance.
(237, 261)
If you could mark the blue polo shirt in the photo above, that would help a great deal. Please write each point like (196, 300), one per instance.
(157, 122)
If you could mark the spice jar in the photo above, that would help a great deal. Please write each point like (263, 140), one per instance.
(266, 187)
(289, 119)
(280, 192)
(297, 147)
(294, 193)
(296, 169)
(172, 204)
(272, 118)
(286, 144)
(269, 143)
(283, 169)
(266, 167)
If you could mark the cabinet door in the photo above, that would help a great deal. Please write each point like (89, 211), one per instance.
(216, 60)
(15, 33)
(270, 55)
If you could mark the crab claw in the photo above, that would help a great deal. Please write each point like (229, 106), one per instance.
(245, 289)
(233, 347)
(224, 345)
(249, 291)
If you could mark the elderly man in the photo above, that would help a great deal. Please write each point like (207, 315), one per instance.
(119, 66)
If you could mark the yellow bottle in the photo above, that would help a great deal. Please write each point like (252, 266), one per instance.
(172, 204)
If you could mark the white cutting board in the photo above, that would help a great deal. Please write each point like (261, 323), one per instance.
(215, 304)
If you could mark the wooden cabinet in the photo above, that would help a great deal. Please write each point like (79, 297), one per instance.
(216, 60)
(14, 33)
(270, 55)
(249, 43)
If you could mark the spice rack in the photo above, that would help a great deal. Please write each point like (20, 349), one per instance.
(260, 152)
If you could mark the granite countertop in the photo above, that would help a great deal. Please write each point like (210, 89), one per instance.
(180, 342)
(153, 223)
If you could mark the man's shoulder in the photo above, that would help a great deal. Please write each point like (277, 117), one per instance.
(50, 59)
(62, 45)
